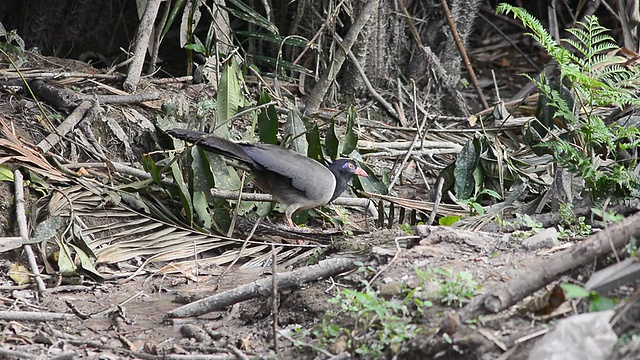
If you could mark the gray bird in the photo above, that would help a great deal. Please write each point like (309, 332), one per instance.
(297, 181)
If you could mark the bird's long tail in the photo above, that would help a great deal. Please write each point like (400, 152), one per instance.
(213, 143)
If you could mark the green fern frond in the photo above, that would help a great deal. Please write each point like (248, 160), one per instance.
(597, 77)
(539, 33)
(577, 45)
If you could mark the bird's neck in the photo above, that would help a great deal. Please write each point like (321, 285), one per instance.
(341, 184)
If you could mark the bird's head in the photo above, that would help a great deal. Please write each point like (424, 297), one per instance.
(346, 168)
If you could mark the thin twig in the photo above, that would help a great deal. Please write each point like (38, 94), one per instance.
(237, 352)
(408, 154)
(513, 44)
(21, 218)
(65, 127)
(319, 91)
(434, 211)
(33, 316)
(324, 25)
(367, 83)
(274, 284)
(463, 53)
(244, 246)
(310, 346)
(234, 218)
(395, 256)
(10, 75)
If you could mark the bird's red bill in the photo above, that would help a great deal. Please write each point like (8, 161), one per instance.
(361, 172)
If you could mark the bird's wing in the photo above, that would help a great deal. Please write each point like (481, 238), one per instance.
(309, 177)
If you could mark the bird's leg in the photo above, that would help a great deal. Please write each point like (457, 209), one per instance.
(287, 217)
(289, 222)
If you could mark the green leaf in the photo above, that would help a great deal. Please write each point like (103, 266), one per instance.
(197, 48)
(331, 141)
(5, 173)
(172, 17)
(277, 39)
(369, 184)
(81, 240)
(86, 264)
(229, 96)
(600, 303)
(288, 65)
(466, 165)
(226, 178)
(448, 220)
(350, 138)
(221, 177)
(150, 166)
(46, 230)
(183, 191)
(202, 178)
(491, 193)
(66, 265)
(267, 120)
(201, 207)
(248, 14)
(19, 273)
(315, 144)
(295, 130)
(574, 291)
(478, 208)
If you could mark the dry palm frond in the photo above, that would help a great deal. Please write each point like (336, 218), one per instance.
(114, 232)
(444, 209)
(14, 150)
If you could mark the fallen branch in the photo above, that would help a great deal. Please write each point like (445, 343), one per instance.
(535, 277)
(33, 316)
(12, 75)
(122, 99)
(264, 287)
(233, 195)
(61, 99)
(12, 354)
(406, 145)
(70, 122)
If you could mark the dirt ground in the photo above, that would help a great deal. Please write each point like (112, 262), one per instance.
(128, 318)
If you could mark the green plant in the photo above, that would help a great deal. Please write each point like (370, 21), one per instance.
(570, 225)
(632, 247)
(526, 221)
(590, 77)
(597, 302)
(11, 42)
(608, 217)
(448, 220)
(406, 228)
(364, 270)
(298, 332)
(473, 202)
(469, 174)
(453, 288)
(375, 326)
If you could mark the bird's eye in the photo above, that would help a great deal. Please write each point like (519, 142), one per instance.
(350, 166)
